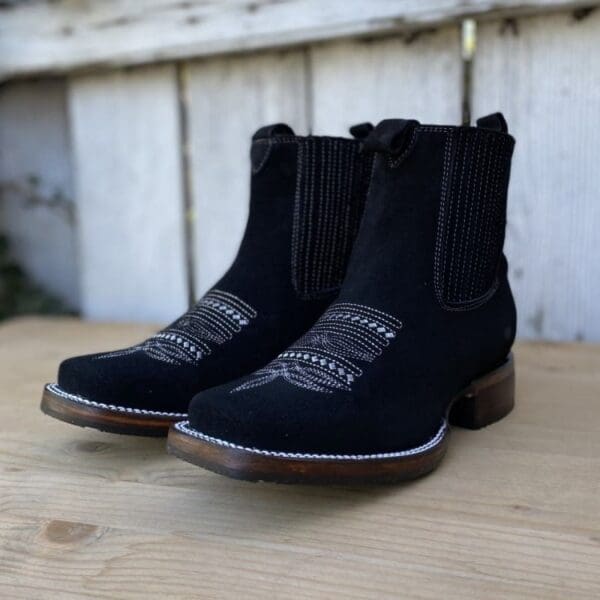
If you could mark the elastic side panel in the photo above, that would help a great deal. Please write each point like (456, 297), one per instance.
(333, 177)
(472, 217)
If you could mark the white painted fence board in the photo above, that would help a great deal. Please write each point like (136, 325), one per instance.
(230, 98)
(127, 158)
(545, 77)
(368, 81)
(35, 167)
(61, 35)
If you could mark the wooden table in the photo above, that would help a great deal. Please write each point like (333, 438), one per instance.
(513, 512)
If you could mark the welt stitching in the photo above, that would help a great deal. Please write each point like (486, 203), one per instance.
(55, 389)
(185, 428)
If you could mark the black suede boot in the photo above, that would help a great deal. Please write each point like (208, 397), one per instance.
(420, 334)
(307, 197)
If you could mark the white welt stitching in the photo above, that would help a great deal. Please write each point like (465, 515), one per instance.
(55, 389)
(184, 427)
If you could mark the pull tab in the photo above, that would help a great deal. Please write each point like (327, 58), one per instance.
(361, 130)
(260, 151)
(391, 136)
(272, 130)
(494, 122)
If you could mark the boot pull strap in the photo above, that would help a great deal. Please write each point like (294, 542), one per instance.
(260, 150)
(269, 131)
(361, 130)
(391, 136)
(494, 122)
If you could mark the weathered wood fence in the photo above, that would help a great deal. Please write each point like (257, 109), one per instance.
(124, 132)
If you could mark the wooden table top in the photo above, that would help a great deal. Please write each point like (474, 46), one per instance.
(513, 512)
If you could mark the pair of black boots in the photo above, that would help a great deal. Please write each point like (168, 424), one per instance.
(367, 308)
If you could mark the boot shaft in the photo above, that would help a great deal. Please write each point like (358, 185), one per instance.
(435, 220)
(306, 202)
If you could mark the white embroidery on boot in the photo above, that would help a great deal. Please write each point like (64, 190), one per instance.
(323, 359)
(215, 319)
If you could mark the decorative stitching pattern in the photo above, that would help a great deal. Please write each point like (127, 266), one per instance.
(184, 427)
(472, 217)
(215, 319)
(56, 389)
(333, 177)
(323, 360)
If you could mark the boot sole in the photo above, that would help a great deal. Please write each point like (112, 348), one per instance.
(83, 412)
(485, 401)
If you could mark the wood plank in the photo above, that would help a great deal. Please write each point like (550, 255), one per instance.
(37, 207)
(229, 98)
(513, 512)
(59, 36)
(371, 80)
(126, 146)
(544, 74)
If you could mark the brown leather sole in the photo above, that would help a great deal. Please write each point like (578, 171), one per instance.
(114, 419)
(485, 401)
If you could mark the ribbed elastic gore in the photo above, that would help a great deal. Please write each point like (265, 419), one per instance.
(330, 194)
(472, 216)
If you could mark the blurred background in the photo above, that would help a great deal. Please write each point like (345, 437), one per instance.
(125, 126)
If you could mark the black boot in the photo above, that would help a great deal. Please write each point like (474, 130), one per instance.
(307, 197)
(420, 334)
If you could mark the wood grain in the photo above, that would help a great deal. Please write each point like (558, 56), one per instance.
(513, 511)
(127, 164)
(229, 99)
(550, 93)
(59, 36)
(357, 81)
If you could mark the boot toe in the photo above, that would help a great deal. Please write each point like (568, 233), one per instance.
(261, 419)
(283, 418)
(131, 381)
(84, 376)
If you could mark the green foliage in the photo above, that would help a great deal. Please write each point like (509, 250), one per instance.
(18, 295)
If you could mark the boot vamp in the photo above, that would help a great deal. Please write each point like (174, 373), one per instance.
(361, 381)
(165, 371)
(129, 378)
